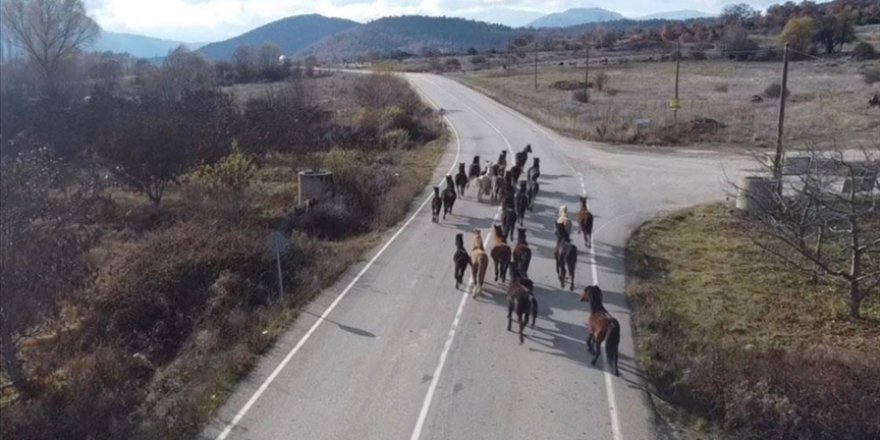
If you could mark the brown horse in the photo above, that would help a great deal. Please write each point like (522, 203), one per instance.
(479, 262)
(522, 255)
(448, 197)
(501, 253)
(461, 179)
(585, 221)
(436, 205)
(566, 255)
(523, 156)
(521, 299)
(602, 326)
(460, 259)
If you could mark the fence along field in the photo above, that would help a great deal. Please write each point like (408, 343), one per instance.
(724, 102)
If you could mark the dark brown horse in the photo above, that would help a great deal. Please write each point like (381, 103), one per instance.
(461, 179)
(535, 171)
(502, 159)
(436, 205)
(523, 156)
(501, 253)
(585, 221)
(474, 170)
(508, 218)
(522, 254)
(566, 255)
(603, 327)
(521, 202)
(448, 197)
(521, 299)
(533, 188)
(460, 259)
(515, 174)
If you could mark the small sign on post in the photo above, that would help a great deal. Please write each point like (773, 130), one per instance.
(278, 244)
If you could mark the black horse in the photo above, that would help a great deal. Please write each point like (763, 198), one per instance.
(461, 179)
(566, 255)
(533, 189)
(521, 202)
(461, 259)
(502, 159)
(436, 205)
(448, 197)
(508, 220)
(474, 170)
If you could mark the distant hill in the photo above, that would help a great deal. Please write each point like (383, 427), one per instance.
(576, 16)
(136, 45)
(684, 14)
(291, 34)
(411, 34)
(506, 16)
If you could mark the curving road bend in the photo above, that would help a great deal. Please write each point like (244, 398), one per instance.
(393, 351)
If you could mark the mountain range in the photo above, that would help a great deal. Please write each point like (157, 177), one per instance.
(340, 39)
(291, 34)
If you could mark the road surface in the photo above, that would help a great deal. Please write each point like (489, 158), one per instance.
(394, 351)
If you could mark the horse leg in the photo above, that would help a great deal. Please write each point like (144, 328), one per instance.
(522, 325)
(571, 273)
(497, 263)
(534, 309)
(598, 351)
(509, 311)
(590, 341)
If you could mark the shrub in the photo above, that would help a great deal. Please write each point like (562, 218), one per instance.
(601, 80)
(697, 54)
(478, 59)
(774, 91)
(721, 88)
(395, 139)
(580, 96)
(871, 76)
(234, 171)
(864, 51)
(452, 64)
(567, 84)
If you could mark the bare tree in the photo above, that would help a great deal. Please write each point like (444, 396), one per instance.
(49, 32)
(828, 221)
(244, 61)
(40, 252)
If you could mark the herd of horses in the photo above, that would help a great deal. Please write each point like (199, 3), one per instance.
(517, 198)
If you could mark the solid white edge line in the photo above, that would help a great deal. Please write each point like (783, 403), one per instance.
(268, 381)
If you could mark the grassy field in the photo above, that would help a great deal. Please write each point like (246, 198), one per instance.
(730, 336)
(827, 104)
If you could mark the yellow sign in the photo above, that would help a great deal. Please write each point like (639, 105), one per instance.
(674, 104)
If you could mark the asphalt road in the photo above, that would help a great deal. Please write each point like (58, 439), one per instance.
(394, 351)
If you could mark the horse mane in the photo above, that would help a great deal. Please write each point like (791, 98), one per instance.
(478, 240)
(595, 297)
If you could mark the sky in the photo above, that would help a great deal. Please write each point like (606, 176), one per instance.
(212, 20)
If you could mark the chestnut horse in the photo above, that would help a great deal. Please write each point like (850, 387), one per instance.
(566, 255)
(479, 262)
(585, 221)
(522, 255)
(521, 299)
(602, 326)
(461, 179)
(501, 253)
(460, 259)
(448, 197)
(436, 205)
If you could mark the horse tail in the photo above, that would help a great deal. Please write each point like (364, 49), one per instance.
(534, 302)
(612, 343)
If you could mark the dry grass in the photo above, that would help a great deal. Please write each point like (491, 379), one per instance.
(828, 104)
(716, 313)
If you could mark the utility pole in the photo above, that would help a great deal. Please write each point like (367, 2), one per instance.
(777, 160)
(536, 61)
(676, 103)
(587, 70)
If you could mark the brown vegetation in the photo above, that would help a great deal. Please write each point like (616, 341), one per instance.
(728, 333)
